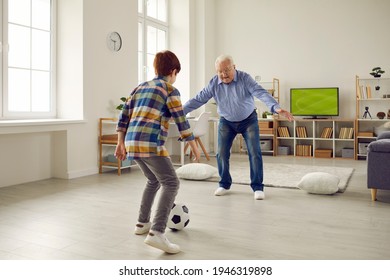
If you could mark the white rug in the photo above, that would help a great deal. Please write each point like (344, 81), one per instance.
(285, 175)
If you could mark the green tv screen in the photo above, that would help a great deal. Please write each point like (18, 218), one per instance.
(314, 102)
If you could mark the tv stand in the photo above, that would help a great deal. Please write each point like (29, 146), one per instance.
(310, 137)
(315, 118)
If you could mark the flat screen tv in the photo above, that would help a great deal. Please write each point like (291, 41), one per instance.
(314, 102)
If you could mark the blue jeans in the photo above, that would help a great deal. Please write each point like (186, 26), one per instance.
(249, 129)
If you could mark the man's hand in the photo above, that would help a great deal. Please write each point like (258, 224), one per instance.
(285, 114)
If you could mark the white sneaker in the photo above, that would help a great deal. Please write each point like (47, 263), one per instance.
(259, 195)
(220, 191)
(142, 228)
(160, 241)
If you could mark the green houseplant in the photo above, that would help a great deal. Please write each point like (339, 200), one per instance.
(120, 106)
(377, 72)
(266, 114)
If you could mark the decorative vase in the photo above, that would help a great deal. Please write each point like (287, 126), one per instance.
(381, 115)
(378, 87)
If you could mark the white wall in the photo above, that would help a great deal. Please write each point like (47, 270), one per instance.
(305, 43)
(91, 79)
(179, 43)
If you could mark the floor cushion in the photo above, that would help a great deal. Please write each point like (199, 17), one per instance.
(319, 183)
(196, 171)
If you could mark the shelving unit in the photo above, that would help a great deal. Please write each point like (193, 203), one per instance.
(107, 142)
(273, 87)
(376, 100)
(266, 126)
(330, 138)
(267, 137)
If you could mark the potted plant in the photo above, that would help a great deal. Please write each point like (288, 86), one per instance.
(120, 106)
(267, 115)
(377, 72)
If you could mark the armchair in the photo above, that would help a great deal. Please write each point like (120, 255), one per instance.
(378, 164)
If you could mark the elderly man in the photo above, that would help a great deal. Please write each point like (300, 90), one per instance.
(234, 92)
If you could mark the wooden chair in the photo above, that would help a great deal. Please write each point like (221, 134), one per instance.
(109, 140)
(201, 128)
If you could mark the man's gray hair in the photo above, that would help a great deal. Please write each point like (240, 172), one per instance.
(222, 58)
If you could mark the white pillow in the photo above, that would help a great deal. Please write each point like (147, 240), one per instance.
(319, 183)
(196, 171)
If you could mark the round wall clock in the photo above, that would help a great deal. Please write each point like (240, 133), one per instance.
(114, 41)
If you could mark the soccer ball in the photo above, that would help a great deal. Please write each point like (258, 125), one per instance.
(179, 217)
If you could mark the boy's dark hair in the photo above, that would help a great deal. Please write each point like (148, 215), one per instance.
(165, 62)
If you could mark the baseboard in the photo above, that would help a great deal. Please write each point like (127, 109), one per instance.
(82, 173)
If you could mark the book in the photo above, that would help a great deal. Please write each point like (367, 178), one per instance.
(346, 133)
(363, 92)
(342, 133)
(303, 150)
(368, 89)
(326, 132)
(301, 132)
(283, 131)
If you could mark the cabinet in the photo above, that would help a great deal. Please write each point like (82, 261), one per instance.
(267, 137)
(328, 138)
(372, 97)
(107, 142)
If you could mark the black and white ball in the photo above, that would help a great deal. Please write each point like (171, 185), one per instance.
(179, 217)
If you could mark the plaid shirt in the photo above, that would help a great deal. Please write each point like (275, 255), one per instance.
(145, 119)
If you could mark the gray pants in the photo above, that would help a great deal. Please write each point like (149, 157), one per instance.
(159, 172)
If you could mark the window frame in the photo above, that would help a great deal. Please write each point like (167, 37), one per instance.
(5, 114)
(145, 22)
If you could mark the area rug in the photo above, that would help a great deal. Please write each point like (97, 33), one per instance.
(286, 175)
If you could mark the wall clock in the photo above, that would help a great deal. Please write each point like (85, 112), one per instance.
(114, 41)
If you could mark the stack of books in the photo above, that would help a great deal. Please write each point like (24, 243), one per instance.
(301, 132)
(364, 92)
(283, 131)
(303, 150)
(327, 132)
(346, 133)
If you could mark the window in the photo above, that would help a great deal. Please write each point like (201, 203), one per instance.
(152, 35)
(27, 59)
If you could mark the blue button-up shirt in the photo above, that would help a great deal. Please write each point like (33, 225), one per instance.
(235, 101)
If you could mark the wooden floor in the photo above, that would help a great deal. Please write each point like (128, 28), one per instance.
(93, 218)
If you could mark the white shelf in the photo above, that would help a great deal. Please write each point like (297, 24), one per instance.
(373, 120)
(377, 103)
(366, 137)
(373, 99)
(314, 128)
